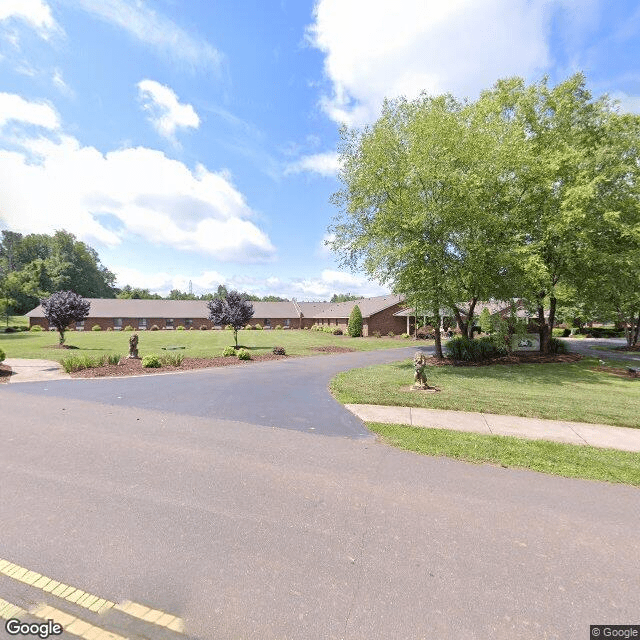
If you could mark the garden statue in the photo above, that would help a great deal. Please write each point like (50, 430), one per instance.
(133, 346)
(420, 365)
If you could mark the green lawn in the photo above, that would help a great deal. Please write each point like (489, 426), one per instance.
(562, 391)
(198, 344)
(571, 461)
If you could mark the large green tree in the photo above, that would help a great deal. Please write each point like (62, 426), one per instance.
(425, 202)
(36, 265)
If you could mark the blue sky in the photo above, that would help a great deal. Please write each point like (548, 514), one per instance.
(196, 140)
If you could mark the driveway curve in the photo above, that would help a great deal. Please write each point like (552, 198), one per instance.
(290, 394)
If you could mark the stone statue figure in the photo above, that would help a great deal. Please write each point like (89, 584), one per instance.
(133, 346)
(420, 366)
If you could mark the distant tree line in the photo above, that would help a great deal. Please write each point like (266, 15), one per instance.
(34, 266)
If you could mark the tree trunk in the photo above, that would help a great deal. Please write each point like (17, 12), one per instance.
(636, 336)
(235, 336)
(437, 334)
(542, 330)
(462, 325)
(472, 307)
(61, 332)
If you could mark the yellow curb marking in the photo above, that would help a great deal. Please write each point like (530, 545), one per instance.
(88, 601)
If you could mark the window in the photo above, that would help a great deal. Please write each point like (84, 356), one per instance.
(286, 322)
(117, 324)
(188, 322)
(168, 323)
(142, 324)
(80, 325)
(267, 322)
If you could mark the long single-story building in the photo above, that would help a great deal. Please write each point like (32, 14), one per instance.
(116, 314)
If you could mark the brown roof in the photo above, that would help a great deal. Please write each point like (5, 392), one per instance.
(133, 308)
(368, 307)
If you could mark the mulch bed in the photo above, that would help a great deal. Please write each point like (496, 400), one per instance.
(5, 373)
(514, 358)
(131, 367)
(332, 349)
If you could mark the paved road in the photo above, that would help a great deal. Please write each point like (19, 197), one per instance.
(290, 394)
(583, 346)
(253, 532)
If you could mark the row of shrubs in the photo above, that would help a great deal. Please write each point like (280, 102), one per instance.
(466, 350)
(153, 361)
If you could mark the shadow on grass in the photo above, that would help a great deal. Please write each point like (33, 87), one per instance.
(557, 373)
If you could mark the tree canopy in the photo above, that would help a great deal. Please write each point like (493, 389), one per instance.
(234, 309)
(36, 265)
(456, 202)
(64, 307)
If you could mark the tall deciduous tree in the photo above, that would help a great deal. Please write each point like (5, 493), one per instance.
(64, 307)
(233, 309)
(425, 202)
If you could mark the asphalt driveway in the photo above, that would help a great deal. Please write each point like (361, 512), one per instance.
(289, 394)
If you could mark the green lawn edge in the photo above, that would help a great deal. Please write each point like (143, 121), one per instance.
(574, 391)
(553, 458)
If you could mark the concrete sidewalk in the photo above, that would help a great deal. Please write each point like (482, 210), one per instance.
(594, 435)
(32, 370)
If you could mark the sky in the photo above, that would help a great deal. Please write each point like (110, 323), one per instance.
(196, 141)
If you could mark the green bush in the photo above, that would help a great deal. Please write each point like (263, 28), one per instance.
(278, 327)
(248, 327)
(172, 359)
(128, 328)
(229, 327)
(36, 327)
(155, 327)
(2, 355)
(391, 334)
(151, 362)
(258, 327)
(113, 358)
(406, 336)
(78, 363)
(377, 334)
(243, 354)
(96, 327)
(559, 332)
(229, 351)
(337, 332)
(355, 322)
(462, 348)
(180, 328)
(279, 351)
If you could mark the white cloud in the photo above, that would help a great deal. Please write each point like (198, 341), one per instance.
(628, 104)
(331, 282)
(59, 82)
(458, 46)
(321, 287)
(163, 283)
(326, 164)
(164, 110)
(154, 29)
(54, 183)
(36, 13)
(17, 109)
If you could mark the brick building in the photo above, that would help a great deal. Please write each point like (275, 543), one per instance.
(109, 313)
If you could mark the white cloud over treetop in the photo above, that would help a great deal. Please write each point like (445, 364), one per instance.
(164, 110)
(36, 13)
(321, 287)
(460, 46)
(53, 183)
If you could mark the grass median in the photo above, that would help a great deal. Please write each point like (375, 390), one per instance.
(570, 461)
(573, 391)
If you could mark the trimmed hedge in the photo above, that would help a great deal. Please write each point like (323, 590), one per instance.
(462, 348)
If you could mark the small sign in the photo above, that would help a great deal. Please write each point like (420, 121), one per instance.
(528, 342)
